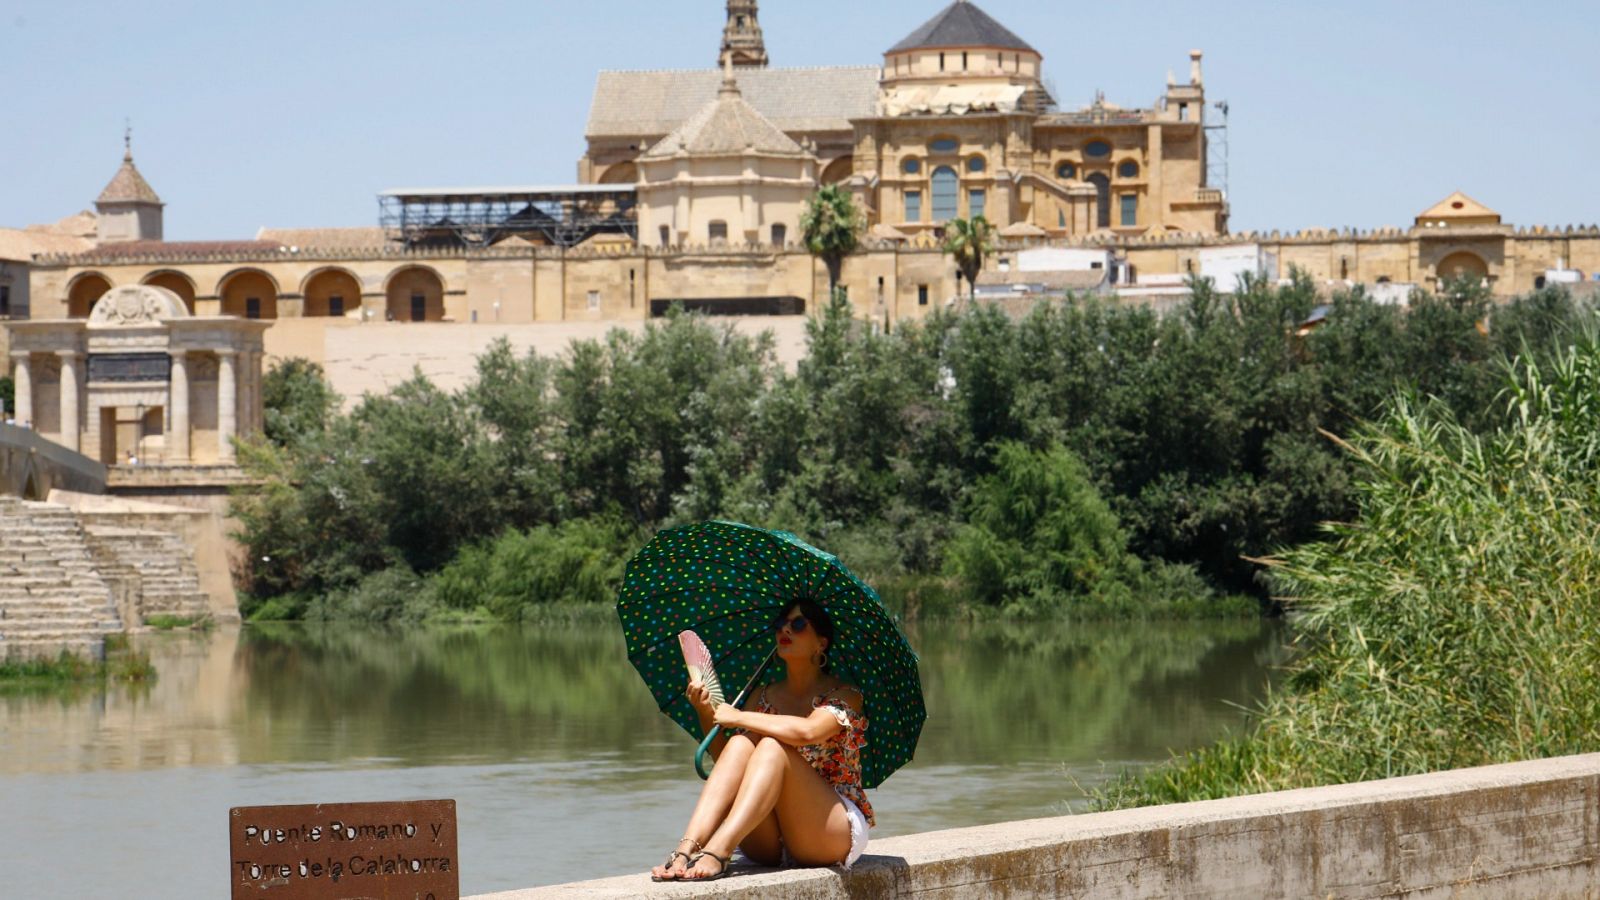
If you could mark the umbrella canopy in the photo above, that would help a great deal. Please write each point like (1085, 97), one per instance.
(728, 582)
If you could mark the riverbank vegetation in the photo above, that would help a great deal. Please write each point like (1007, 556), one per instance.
(1454, 620)
(1172, 449)
(120, 664)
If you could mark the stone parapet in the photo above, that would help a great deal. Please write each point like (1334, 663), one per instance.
(1529, 829)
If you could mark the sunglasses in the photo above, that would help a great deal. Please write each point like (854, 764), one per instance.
(796, 625)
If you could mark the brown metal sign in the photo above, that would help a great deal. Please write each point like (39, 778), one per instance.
(345, 851)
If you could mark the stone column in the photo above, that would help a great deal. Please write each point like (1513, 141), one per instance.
(70, 429)
(24, 386)
(257, 419)
(227, 406)
(178, 409)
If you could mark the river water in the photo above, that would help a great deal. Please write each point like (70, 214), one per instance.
(547, 740)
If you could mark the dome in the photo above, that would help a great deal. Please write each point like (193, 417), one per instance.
(962, 24)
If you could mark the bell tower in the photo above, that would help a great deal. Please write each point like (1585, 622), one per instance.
(741, 38)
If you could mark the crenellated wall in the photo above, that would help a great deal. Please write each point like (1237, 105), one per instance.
(616, 281)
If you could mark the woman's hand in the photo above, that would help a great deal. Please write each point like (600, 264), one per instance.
(726, 715)
(699, 697)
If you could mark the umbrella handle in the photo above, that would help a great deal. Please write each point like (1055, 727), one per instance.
(705, 745)
(700, 754)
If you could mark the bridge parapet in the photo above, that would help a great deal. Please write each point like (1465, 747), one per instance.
(1529, 829)
(31, 466)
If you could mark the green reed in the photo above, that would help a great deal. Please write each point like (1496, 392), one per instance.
(1455, 622)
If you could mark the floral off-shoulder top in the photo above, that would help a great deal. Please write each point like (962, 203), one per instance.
(837, 759)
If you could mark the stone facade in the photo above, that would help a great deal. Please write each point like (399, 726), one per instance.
(142, 381)
(960, 123)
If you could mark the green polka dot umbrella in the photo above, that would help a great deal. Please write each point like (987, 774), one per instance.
(727, 582)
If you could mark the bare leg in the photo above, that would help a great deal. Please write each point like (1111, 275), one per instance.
(715, 799)
(778, 782)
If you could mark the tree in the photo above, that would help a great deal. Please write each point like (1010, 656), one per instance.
(297, 401)
(8, 390)
(832, 225)
(970, 241)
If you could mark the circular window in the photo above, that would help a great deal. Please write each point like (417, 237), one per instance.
(945, 145)
(1066, 170)
(1097, 149)
(911, 166)
(1129, 169)
(976, 164)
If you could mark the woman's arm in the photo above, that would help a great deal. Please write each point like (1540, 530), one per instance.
(700, 699)
(797, 731)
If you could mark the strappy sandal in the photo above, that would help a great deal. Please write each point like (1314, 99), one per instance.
(688, 857)
(695, 860)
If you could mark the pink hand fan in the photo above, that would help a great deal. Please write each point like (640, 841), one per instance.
(698, 659)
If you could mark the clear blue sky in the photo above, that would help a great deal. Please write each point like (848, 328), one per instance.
(297, 113)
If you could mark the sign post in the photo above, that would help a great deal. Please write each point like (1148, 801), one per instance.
(335, 851)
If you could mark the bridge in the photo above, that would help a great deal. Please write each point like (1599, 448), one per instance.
(31, 466)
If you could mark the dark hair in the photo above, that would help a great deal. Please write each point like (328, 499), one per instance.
(814, 613)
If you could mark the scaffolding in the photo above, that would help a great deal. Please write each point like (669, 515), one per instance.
(562, 215)
(1217, 151)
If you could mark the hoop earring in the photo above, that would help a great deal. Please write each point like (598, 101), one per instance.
(821, 659)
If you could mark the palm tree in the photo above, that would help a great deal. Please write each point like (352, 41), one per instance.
(832, 225)
(970, 241)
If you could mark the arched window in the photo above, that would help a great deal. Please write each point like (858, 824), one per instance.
(976, 165)
(1097, 149)
(1102, 199)
(911, 166)
(944, 145)
(1066, 170)
(1128, 169)
(946, 194)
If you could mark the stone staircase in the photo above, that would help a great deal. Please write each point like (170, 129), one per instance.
(52, 596)
(158, 563)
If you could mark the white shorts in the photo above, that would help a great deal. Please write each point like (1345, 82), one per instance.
(858, 834)
(858, 830)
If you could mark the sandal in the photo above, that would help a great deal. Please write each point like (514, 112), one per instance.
(667, 865)
(695, 860)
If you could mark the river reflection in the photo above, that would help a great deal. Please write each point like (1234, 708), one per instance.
(560, 765)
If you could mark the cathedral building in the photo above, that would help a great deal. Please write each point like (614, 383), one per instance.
(957, 122)
(690, 191)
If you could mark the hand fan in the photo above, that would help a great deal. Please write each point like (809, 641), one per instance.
(698, 659)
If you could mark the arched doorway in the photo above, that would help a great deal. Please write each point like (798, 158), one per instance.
(1102, 199)
(946, 194)
(1462, 264)
(332, 293)
(838, 170)
(249, 294)
(83, 292)
(415, 294)
(176, 282)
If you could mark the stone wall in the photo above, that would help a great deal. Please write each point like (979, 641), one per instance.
(1528, 829)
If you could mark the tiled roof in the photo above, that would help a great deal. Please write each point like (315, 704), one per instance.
(653, 104)
(184, 248)
(725, 125)
(325, 238)
(128, 186)
(21, 244)
(962, 24)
